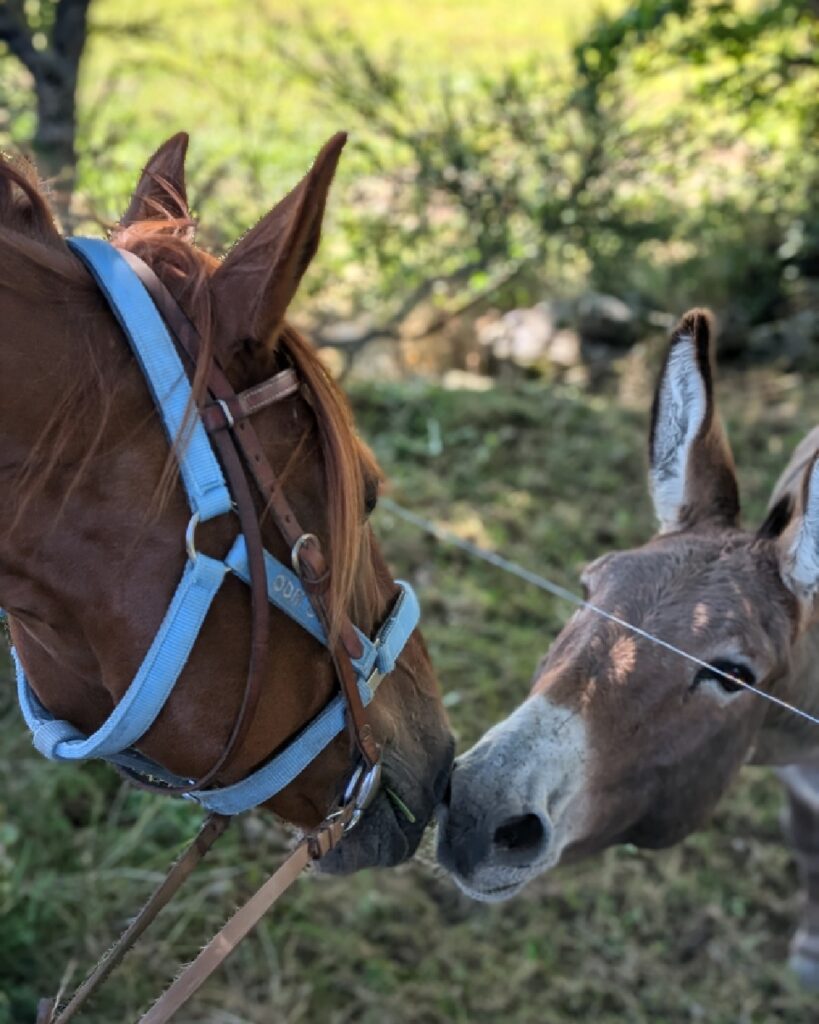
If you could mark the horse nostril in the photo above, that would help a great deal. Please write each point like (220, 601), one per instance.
(522, 834)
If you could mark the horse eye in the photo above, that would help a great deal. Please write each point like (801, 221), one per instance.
(370, 497)
(731, 668)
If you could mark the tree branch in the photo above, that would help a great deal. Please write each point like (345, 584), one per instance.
(70, 30)
(16, 34)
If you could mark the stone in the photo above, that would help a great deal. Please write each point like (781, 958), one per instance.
(793, 341)
(605, 319)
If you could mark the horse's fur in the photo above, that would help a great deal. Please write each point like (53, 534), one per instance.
(621, 739)
(92, 544)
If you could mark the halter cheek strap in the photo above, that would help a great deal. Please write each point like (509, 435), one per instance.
(366, 660)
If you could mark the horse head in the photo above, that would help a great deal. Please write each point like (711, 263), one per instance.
(94, 514)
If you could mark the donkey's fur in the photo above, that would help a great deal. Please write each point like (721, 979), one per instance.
(623, 740)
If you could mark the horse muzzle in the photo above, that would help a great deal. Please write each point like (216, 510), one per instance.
(394, 821)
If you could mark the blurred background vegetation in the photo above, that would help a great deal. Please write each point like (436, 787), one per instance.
(531, 192)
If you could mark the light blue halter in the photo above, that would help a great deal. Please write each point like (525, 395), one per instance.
(208, 497)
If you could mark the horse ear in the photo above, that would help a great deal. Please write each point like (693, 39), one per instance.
(260, 275)
(692, 473)
(799, 542)
(161, 192)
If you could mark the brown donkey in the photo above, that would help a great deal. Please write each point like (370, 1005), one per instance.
(92, 542)
(622, 740)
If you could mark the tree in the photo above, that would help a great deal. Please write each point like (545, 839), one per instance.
(48, 39)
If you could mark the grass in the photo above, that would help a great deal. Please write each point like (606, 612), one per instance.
(552, 476)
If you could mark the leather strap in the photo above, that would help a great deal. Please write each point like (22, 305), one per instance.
(244, 920)
(314, 846)
(213, 827)
(226, 412)
(312, 562)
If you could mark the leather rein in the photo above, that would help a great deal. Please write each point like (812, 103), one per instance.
(226, 417)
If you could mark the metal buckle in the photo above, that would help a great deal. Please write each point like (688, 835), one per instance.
(360, 792)
(295, 551)
(374, 680)
(231, 422)
(190, 537)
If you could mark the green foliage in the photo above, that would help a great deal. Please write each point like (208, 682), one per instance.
(672, 162)
(670, 159)
(734, 108)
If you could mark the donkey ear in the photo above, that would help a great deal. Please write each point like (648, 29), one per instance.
(161, 190)
(799, 543)
(692, 470)
(258, 278)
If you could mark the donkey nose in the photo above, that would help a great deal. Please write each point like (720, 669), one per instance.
(470, 841)
(521, 837)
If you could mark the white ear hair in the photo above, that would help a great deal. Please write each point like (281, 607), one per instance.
(679, 415)
(802, 560)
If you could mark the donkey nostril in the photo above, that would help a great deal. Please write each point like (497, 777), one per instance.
(520, 834)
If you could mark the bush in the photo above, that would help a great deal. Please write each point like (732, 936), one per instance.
(671, 163)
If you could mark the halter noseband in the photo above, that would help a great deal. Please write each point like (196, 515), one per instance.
(146, 310)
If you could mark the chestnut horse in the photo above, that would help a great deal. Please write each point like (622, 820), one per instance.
(622, 740)
(94, 514)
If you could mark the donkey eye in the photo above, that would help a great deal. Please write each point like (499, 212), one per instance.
(730, 668)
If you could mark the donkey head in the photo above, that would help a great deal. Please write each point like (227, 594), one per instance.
(622, 740)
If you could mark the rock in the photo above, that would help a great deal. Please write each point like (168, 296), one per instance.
(529, 337)
(524, 335)
(334, 361)
(380, 360)
(793, 342)
(605, 319)
(463, 380)
(565, 349)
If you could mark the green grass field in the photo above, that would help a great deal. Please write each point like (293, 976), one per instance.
(552, 476)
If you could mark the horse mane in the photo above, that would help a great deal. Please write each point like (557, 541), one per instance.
(28, 231)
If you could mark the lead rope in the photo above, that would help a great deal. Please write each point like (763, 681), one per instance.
(213, 827)
(542, 583)
(312, 847)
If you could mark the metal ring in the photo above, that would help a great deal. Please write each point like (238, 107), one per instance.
(190, 537)
(360, 791)
(227, 413)
(295, 551)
